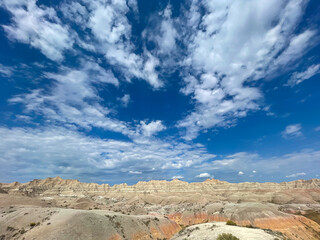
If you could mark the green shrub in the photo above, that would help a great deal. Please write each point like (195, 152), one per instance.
(33, 224)
(227, 236)
(232, 223)
(249, 226)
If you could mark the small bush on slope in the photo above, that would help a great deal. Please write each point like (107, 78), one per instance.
(227, 236)
(232, 223)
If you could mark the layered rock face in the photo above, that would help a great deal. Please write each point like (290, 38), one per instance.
(301, 191)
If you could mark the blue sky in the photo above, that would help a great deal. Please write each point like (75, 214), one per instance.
(130, 90)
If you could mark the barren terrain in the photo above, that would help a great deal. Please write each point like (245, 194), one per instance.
(55, 208)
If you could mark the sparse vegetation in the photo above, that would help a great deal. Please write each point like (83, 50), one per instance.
(249, 226)
(313, 215)
(117, 224)
(231, 223)
(182, 228)
(9, 228)
(33, 224)
(147, 222)
(227, 236)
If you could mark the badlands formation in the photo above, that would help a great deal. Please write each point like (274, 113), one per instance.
(55, 208)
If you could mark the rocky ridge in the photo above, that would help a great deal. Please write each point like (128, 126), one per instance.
(58, 185)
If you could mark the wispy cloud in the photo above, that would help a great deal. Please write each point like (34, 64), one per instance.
(124, 100)
(298, 77)
(73, 100)
(59, 151)
(296, 175)
(6, 71)
(292, 131)
(177, 177)
(135, 172)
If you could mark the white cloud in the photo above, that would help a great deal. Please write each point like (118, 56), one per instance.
(135, 172)
(298, 77)
(293, 130)
(166, 35)
(38, 26)
(124, 100)
(296, 175)
(149, 71)
(73, 101)
(204, 175)
(53, 151)
(177, 177)
(105, 30)
(151, 128)
(296, 48)
(112, 32)
(5, 71)
(240, 173)
(279, 166)
(76, 12)
(229, 48)
(254, 171)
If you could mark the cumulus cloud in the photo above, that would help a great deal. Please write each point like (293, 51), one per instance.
(298, 77)
(226, 56)
(292, 131)
(240, 173)
(204, 175)
(38, 26)
(296, 175)
(149, 129)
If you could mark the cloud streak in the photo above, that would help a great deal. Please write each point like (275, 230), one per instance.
(59, 151)
(299, 77)
(292, 131)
